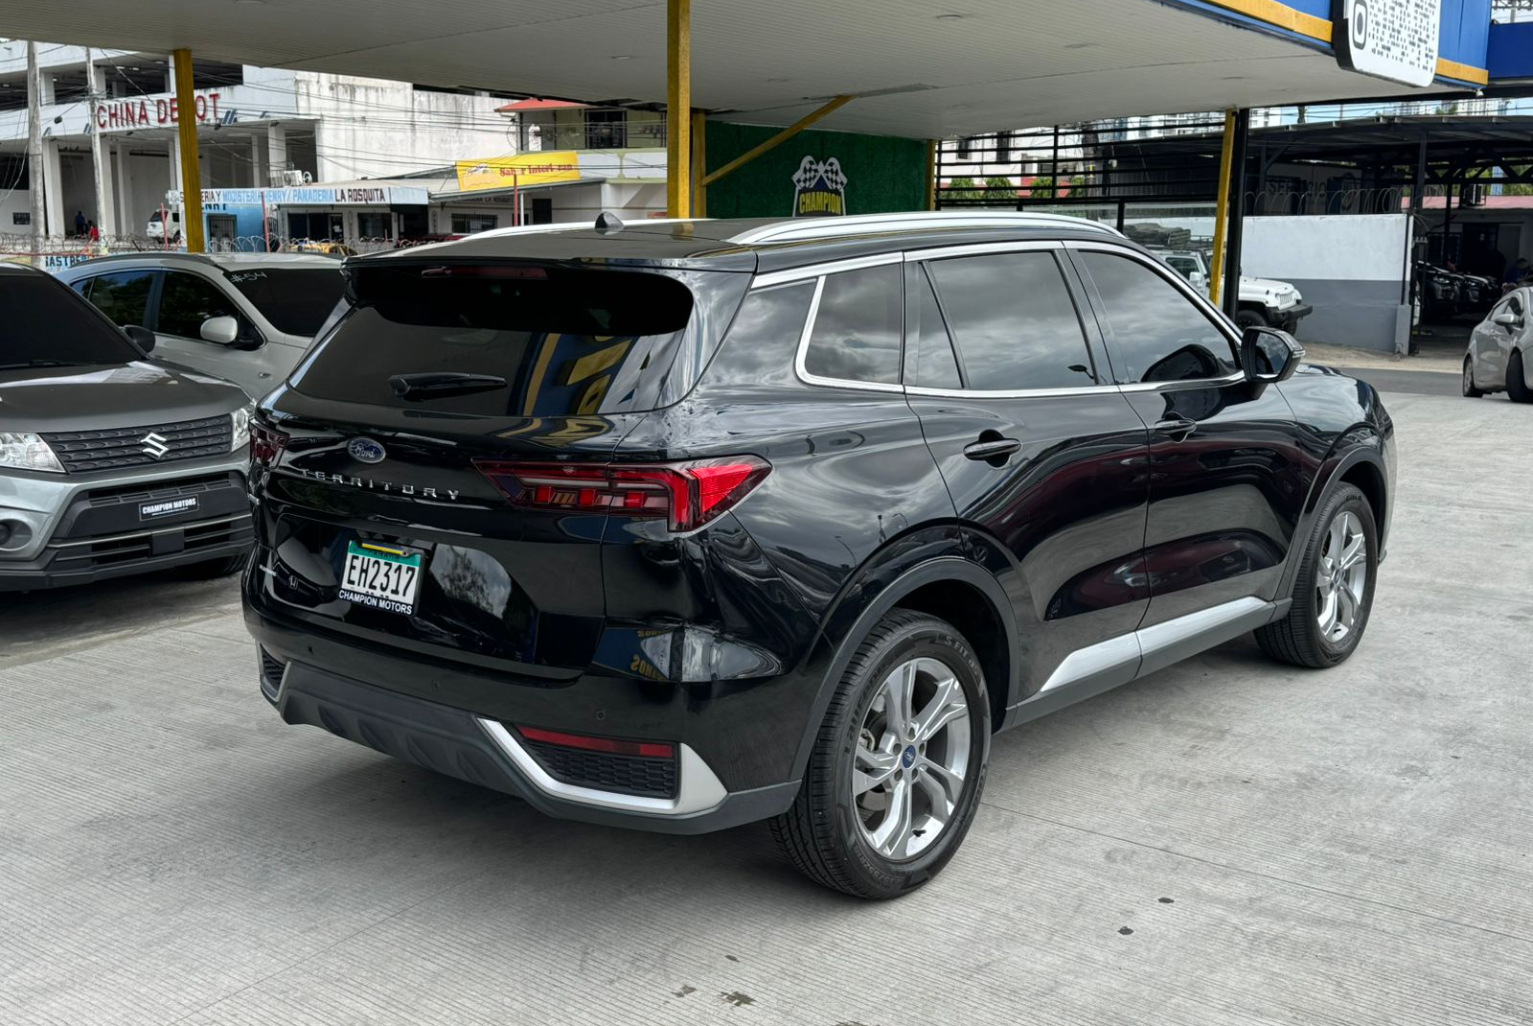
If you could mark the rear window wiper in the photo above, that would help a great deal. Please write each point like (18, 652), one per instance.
(443, 384)
(37, 363)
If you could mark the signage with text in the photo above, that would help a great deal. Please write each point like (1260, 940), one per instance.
(540, 168)
(152, 112)
(1391, 39)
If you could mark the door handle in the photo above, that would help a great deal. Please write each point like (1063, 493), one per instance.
(992, 448)
(1176, 428)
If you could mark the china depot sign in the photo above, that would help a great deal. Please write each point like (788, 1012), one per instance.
(151, 112)
(1391, 39)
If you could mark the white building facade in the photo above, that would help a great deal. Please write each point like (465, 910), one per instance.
(257, 128)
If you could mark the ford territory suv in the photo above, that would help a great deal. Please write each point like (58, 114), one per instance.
(688, 524)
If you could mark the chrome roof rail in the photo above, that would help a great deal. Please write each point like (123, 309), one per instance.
(572, 226)
(803, 229)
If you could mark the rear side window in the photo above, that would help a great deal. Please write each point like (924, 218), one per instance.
(858, 325)
(1013, 321)
(935, 365)
(123, 297)
(539, 341)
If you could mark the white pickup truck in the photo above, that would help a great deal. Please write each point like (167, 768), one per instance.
(1263, 301)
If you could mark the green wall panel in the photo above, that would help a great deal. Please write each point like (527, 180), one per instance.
(881, 173)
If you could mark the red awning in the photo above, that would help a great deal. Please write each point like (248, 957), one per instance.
(521, 106)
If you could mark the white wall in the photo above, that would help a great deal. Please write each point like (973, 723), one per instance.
(1337, 247)
(373, 128)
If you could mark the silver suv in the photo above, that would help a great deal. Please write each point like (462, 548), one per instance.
(110, 463)
(247, 317)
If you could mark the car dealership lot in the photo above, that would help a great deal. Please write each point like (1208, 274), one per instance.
(1348, 846)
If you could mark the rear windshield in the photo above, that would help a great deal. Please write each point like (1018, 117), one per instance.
(47, 325)
(538, 341)
(296, 301)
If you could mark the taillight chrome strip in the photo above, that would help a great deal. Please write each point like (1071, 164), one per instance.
(699, 789)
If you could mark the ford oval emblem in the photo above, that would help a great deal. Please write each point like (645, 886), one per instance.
(366, 450)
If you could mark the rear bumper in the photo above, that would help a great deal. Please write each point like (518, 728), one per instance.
(481, 751)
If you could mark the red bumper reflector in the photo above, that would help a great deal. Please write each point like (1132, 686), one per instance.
(612, 746)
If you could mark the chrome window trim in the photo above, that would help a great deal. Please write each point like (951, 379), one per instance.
(1165, 386)
(808, 271)
(799, 359)
(1014, 393)
(699, 789)
(916, 256)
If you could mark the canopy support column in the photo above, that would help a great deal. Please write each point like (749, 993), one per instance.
(191, 177)
(678, 108)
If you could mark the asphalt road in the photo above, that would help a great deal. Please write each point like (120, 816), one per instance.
(1413, 382)
(1226, 841)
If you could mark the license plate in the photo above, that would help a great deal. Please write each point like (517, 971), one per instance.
(382, 577)
(167, 507)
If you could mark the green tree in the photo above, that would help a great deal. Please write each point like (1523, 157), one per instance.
(1000, 189)
(1041, 187)
(961, 189)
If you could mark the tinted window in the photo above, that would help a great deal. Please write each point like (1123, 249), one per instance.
(934, 363)
(186, 301)
(46, 325)
(1184, 266)
(856, 335)
(563, 342)
(1158, 334)
(297, 302)
(1013, 321)
(123, 297)
(763, 337)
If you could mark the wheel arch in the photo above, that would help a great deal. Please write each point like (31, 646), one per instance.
(945, 584)
(1362, 465)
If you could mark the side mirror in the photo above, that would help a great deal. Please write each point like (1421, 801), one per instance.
(1506, 320)
(223, 330)
(141, 337)
(1268, 355)
(1197, 278)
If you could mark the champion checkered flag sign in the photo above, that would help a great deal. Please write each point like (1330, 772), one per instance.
(819, 188)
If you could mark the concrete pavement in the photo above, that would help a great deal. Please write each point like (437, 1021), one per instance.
(1225, 841)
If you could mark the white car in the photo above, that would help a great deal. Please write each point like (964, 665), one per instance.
(1264, 302)
(1494, 361)
(247, 317)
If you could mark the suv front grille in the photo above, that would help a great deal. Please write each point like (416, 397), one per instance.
(139, 546)
(173, 489)
(626, 774)
(111, 448)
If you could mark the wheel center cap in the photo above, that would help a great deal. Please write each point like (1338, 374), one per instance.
(909, 757)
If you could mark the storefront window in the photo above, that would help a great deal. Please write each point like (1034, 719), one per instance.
(374, 225)
(467, 224)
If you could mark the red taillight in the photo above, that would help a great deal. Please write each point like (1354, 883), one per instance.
(688, 494)
(266, 444)
(612, 746)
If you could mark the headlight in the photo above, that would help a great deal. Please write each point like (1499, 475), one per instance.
(241, 423)
(27, 452)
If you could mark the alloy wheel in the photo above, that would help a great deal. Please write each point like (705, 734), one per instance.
(912, 758)
(1342, 577)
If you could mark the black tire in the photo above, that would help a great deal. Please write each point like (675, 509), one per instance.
(1297, 639)
(1470, 392)
(1516, 382)
(211, 569)
(1246, 317)
(822, 833)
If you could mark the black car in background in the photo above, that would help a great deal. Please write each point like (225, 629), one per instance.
(688, 524)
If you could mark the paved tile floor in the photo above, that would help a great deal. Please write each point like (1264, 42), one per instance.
(1225, 841)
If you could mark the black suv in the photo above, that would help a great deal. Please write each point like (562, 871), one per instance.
(687, 524)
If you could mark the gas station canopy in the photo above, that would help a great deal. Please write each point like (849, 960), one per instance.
(916, 69)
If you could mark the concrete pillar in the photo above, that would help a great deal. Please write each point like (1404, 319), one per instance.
(53, 189)
(276, 152)
(127, 218)
(101, 165)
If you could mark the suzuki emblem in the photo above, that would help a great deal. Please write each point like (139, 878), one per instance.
(154, 445)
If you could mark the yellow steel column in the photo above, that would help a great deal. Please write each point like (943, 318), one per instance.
(699, 164)
(1222, 214)
(191, 179)
(931, 174)
(678, 108)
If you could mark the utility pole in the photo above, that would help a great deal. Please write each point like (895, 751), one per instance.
(105, 209)
(35, 146)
